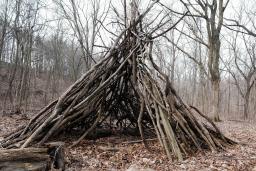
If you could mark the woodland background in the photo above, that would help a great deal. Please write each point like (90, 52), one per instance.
(47, 45)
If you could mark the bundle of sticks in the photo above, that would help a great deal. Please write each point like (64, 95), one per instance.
(126, 87)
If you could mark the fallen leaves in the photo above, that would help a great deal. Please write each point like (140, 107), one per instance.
(111, 154)
(135, 157)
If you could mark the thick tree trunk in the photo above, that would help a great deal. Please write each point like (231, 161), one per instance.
(247, 95)
(213, 65)
(213, 30)
(229, 95)
(216, 100)
(246, 105)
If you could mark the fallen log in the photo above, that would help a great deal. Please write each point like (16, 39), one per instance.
(33, 159)
(24, 166)
(33, 154)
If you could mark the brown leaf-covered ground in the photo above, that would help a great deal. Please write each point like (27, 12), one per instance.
(118, 153)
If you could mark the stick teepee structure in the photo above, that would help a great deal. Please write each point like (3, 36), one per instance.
(122, 88)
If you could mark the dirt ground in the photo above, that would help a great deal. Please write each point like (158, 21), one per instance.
(121, 153)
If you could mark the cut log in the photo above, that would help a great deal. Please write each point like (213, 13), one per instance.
(24, 166)
(26, 154)
(32, 159)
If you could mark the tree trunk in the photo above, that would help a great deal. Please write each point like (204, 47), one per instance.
(213, 65)
(216, 100)
(247, 99)
(254, 102)
(229, 95)
(246, 106)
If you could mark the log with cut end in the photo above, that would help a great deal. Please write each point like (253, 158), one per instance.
(32, 159)
(26, 154)
(25, 159)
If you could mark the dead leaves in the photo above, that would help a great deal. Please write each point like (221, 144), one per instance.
(99, 155)
(111, 154)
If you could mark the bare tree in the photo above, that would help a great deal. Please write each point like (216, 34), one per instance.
(86, 26)
(213, 14)
(245, 64)
(3, 28)
(16, 42)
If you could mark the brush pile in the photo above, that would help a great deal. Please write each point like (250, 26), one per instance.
(126, 88)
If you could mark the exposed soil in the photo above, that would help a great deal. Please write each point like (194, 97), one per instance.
(118, 153)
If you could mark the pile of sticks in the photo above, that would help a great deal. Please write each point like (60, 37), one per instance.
(126, 88)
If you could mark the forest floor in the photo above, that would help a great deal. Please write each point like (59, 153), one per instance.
(120, 153)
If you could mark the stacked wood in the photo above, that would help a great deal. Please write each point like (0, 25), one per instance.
(128, 89)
